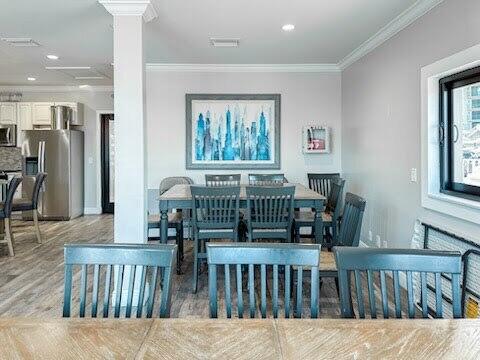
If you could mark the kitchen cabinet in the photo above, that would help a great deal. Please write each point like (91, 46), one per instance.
(41, 113)
(8, 113)
(24, 120)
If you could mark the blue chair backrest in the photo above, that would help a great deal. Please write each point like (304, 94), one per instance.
(135, 261)
(321, 183)
(266, 179)
(351, 223)
(215, 207)
(7, 205)
(223, 180)
(263, 255)
(361, 261)
(270, 207)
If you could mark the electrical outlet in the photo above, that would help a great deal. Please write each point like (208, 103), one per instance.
(378, 240)
(413, 175)
(90, 160)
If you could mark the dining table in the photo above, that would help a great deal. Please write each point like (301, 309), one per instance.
(180, 197)
(194, 338)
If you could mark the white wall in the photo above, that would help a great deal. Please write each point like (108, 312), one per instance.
(381, 121)
(92, 101)
(306, 98)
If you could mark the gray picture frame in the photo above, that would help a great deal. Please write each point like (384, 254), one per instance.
(232, 97)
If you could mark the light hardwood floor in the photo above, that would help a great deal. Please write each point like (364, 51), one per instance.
(31, 283)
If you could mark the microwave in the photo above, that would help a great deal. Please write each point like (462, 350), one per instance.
(8, 135)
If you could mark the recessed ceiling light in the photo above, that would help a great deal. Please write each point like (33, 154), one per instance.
(31, 78)
(288, 27)
(52, 57)
(83, 86)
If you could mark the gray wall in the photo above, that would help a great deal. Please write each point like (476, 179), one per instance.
(306, 98)
(92, 101)
(381, 121)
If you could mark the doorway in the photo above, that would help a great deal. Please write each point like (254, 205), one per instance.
(107, 162)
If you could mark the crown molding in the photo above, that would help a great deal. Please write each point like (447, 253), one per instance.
(56, 88)
(418, 9)
(142, 8)
(279, 68)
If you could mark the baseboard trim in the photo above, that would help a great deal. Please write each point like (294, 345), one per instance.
(92, 210)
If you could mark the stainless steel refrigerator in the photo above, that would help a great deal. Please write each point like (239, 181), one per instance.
(59, 153)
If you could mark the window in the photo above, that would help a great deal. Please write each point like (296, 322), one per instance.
(460, 134)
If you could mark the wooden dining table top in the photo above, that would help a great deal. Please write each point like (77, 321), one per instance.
(182, 192)
(191, 338)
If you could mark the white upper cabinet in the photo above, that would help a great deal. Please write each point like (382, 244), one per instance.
(8, 113)
(24, 120)
(41, 113)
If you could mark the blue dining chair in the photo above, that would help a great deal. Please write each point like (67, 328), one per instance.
(6, 213)
(223, 180)
(270, 212)
(139, 262)
(266, 179)
(278, 257)
(366, 261)
(321, 183)
(215, 215)
(330, 217)
(176, 220)
(349, 235)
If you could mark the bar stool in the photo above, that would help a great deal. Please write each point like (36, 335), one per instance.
(32, 204)
(6, 212)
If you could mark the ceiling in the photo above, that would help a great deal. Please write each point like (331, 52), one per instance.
(80, 33)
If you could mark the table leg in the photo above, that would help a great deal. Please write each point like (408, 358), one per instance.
(163, 226)
(318, 223)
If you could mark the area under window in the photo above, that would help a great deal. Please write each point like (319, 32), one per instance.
(460, 134)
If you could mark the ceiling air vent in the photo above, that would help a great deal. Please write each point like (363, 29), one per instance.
(79, 72)
(222, 42)
(24, 42)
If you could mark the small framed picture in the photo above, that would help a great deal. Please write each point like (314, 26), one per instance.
(316, 139)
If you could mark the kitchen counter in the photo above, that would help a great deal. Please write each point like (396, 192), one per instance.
(10, 159)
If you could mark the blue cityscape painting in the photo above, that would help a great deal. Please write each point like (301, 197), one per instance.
(230, 132)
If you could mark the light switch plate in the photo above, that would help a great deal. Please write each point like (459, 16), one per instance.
(413, 175)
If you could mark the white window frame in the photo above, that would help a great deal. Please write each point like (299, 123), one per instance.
(432, 198)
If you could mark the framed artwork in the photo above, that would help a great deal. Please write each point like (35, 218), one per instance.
(230, 131)
(316, 139)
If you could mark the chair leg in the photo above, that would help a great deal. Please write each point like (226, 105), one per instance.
(37, 226)
(179, 241)
(9, 236)
(297, 234)
(195, 263)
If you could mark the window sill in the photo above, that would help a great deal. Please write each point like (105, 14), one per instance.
(456, 200)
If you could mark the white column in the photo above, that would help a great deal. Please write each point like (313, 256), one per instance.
(130, 219)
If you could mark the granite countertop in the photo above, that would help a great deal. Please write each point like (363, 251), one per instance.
(10, 159)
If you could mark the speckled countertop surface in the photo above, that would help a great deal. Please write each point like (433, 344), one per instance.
(10, 159)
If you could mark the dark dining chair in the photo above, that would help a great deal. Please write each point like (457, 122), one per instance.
(266, 179)
(321, 183)
(176, 220)
(349, 234)
(223, 180)
(133, 264)
(6, 213)
(330, 217)
(440, 265)
(215, 215)
(32, 203)
(270, 212)
(263, 256)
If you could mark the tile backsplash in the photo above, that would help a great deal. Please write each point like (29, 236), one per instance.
(10, 158)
